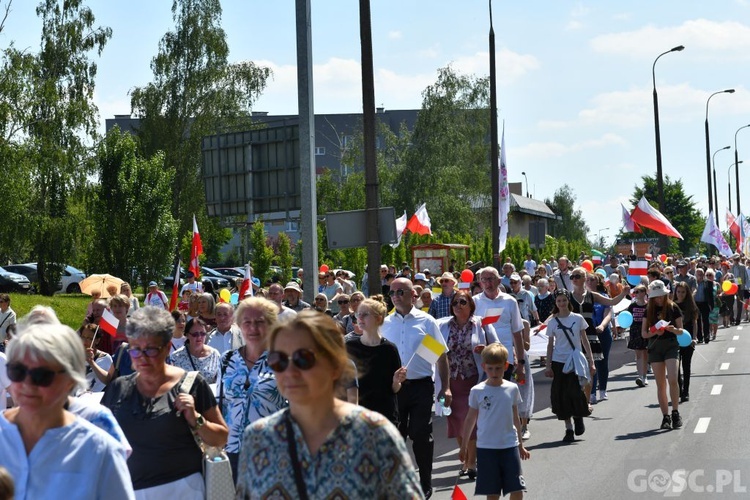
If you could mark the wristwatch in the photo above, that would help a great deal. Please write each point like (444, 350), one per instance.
(199, 422)
(521, 361)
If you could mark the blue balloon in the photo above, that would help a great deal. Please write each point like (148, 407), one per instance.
(625, 319)
(234, 298)
(684, 339)
(634, 280)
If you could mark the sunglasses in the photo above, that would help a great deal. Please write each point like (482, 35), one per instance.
(303, 359)
(462, 302)
(320, 299)
(149, 352)
(41, 377)
(576, 276)
(197, 334)
(400, 293)
(343, 301)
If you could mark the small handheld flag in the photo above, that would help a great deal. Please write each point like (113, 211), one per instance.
(109, 323)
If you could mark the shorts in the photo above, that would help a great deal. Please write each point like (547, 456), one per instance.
(499, 471)
(662, 349)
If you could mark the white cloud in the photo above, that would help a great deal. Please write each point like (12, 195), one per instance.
(573, 25)
(394, 35)
(545, 150)
(728, 39)
(511, 65)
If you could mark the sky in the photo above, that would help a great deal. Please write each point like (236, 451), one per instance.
(574, 78)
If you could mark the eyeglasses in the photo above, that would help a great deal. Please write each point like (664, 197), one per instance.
(488, 280)
(303, 359)
(400, 293)
(457, 302)
(195, 335)
(576, 276)
(149, 352)
(40, 377)
(343, 301)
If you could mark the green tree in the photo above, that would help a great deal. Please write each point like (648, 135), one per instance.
(131, 216)
(261, 254)
(679, 209)
(573, 226)
(195, 92)
(285, 257)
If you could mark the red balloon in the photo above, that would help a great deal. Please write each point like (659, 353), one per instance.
(733, 289)
(663, 258)
(467, 276)
(324, 268)
(587, 265)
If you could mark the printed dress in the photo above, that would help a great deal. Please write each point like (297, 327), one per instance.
(208, 366)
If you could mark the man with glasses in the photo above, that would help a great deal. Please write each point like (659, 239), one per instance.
(293, 294)
(683, 276)
(441, 306)
(406, 328)
(501, 310)
(562, 275)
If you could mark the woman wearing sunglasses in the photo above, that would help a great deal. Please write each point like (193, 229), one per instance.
(42, 444)
(466, 337)
(195, 355)
(248, 389)
(321, 304)
(311, 365)
(159, 417)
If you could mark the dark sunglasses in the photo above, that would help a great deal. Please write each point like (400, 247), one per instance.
(303, 359)
(149, 352)
(343, 301)
(576, 276)
(400, 293)
(41, 377)
(463, 302)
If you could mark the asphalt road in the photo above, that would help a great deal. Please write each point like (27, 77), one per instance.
(623, 453)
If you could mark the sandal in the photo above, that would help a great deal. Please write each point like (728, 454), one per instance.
(463, 472)
(472, 473)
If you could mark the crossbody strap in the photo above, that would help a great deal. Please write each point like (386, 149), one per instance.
(565, 331)
(292, 442)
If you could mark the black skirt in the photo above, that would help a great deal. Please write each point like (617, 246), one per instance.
(567, 396)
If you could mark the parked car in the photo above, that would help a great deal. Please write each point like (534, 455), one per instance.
(206, 274)
(69, 281)
(233, 272)
(13, 282)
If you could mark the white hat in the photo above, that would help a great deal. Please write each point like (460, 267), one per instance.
(420, 276)
(657, 289)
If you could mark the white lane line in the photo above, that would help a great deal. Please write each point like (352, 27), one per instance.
(739, 328)
(702, 425)
(730, 350)
(716, 390)
(724, 366)
(452, 452)
(736, 337)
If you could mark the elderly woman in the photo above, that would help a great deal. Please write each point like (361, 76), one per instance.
(48, 450)
(159, 418)
(207, 309)
(310, 361)
(321, 304)
(354, 301)
(248, 391)
(195, 355)
(465, 337)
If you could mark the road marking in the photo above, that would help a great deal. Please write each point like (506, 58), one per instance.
(736, 337)
(702, 425)
(452, 452)
(739, 328)
(716, 390)
(730, 350)
(724, 366)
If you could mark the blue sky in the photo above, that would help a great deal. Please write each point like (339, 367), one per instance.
(574, 78)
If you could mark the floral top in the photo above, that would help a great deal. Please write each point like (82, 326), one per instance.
(364, 457)
(248, 395)
(208, 366)
(460, 356)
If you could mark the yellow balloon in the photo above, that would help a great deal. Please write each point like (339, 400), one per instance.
(225, 295)
(726, 286)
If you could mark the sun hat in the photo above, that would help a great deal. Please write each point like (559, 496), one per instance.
(657, 289)
(292, 285)
(447, 276)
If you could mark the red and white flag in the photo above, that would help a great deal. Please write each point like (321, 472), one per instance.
(175, 298)
(458, 494)
(734, 228)
(400, 228)
(492, 315)
(195, 250)
(627, 221)
(246, 283)
(647, 216)
(420, 221)
(638, 268)
(109, 323)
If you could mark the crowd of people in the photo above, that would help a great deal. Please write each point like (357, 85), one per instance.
(294, 392)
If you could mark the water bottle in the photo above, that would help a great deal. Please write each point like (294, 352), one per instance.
(446, 410)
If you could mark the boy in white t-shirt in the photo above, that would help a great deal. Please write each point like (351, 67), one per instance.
(493, 408)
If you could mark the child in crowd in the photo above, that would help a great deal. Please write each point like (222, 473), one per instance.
(493, 408)
(637, 343)
(184, 304)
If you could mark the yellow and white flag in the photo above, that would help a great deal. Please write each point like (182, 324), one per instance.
(430, 349)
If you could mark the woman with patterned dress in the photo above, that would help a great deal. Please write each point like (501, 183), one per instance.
(195, 355)
(321, 447)
(248, 388)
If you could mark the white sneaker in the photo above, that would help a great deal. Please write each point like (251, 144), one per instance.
(645, 380)
(592, 399)
(603, 396)
(525, 434)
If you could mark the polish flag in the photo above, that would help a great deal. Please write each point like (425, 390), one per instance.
(660, 325)
(109, 323)
(627, 221)
(638, 268)
(734, 228)
(246, 283)
(400, 228)
(491, 316)
(196, 250)
(647, 216)
(175, 287)
(420, 221)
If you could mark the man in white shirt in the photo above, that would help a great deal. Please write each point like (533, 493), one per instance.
(530, 265)
(192, 285)
(407, 327)
(276, 295)
(155, 297)
(492, 303)
(227, 335)
(562, 275)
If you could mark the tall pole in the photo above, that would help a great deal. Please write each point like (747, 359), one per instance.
(729, 185)
(716, 197)
(737, 169)
(527, 184)
(708, 149)
(494, 151)
(663, 242)
(368, 126)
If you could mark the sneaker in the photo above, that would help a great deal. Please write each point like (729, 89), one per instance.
(639, 382)
(525, 434)
(666, 423)
(676, 420)
(645, 380)
(592, 399)
(579, 426)
(569, 437)
(603, 396)
(649, 368)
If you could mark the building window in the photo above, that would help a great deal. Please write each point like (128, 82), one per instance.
(320, 151)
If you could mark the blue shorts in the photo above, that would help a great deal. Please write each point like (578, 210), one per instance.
(499, 471)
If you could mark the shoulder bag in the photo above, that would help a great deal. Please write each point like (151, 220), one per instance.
(292, 442)
(577, 362)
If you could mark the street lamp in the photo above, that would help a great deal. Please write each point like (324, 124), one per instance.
(659, 176)
(708, 149)
(716, 198)
(527, 184)
(737, 170)
(599, 237)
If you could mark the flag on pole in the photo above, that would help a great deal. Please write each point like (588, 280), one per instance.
(420, 221)
(196, 250)
(458, 494)
(638, 268)
(430, 349)
(175, 287)
(712, 235)
(734, 228)
(400, 228)
(504, 199)
(109, 323)
(246, 283)
(627, 221)
(491, 315)
(647, 216)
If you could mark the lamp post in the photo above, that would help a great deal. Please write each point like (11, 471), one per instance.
(659, 175)
(527, 184)
(729, 183)
(737, 169)
(599, 236)
(708, 149)
(716, 198)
